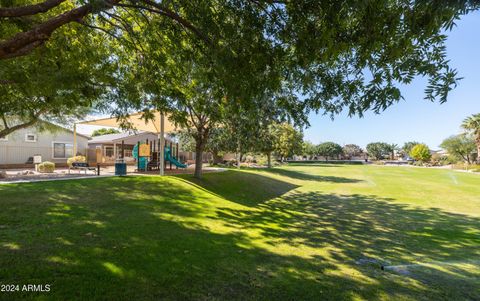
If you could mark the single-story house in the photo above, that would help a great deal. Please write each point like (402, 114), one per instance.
(55, 145)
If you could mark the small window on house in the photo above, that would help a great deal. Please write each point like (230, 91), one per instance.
(4, 138)
(30, 138)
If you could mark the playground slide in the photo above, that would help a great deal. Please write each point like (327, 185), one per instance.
(143, 161)
(172, 159)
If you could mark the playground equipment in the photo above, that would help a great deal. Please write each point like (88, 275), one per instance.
(142, 161)
(172, 159)
(147, 160)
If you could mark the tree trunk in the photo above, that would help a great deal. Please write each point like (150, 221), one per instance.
(239, 153)
(198, 158)
(478, 153)
(269, 160)
(478, 148)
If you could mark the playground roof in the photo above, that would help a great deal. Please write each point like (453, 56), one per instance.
(138, 123)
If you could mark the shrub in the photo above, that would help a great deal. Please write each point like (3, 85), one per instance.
(440, 160)
(417, 163)
(420, 152)
(325, 162)
(76, 159)
(474, 167)
(47, 167)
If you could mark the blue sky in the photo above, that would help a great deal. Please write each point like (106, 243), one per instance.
(415, 118)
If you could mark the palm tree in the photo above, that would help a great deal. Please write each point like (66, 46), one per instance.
(472, 124)
(393, 147)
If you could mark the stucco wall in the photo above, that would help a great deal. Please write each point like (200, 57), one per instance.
(16, 150)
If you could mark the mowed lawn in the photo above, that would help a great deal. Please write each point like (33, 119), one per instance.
(299, 232)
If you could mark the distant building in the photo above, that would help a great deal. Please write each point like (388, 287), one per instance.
(55, 145)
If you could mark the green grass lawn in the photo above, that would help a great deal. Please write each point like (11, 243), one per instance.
(301, 232)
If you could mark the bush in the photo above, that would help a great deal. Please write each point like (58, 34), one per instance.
(439, 160)
(417, 163)
(474, 167)
(47, 167)
(325, 162)
(420, 152)
(76, 159)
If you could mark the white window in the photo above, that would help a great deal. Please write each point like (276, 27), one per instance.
(30, 138)
(62, 150)
(4, 138)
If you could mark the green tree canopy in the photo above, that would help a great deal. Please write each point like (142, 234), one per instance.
(352, 150)
(460, 147)
(62, 81)
(309, 149)
(407, 147)
(379, 150)
(329, 150)
(104, 131)
(337, 55)
(288, 140)
(420, 152)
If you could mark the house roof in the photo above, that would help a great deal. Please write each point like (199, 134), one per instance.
(127, 137)
(108, 138)
(63, 128)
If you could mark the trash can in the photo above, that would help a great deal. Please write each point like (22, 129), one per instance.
(120, 169)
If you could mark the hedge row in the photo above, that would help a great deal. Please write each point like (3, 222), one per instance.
(326, 162)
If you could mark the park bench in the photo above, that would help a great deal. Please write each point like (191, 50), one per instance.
(82, 166)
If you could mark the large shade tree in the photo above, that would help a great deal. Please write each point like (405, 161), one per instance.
(59, 82)
(224, 53)
(337, 54)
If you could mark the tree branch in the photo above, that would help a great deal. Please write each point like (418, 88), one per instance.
(24, 42)
(8, 130)
(159, 9)
(29, 10)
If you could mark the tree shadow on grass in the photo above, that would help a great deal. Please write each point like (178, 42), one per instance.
(366, 229)
(147, 238)
(245, 188)
(311, 177)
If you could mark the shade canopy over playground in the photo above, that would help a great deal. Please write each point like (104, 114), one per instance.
(138, 123)
(159, 124)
